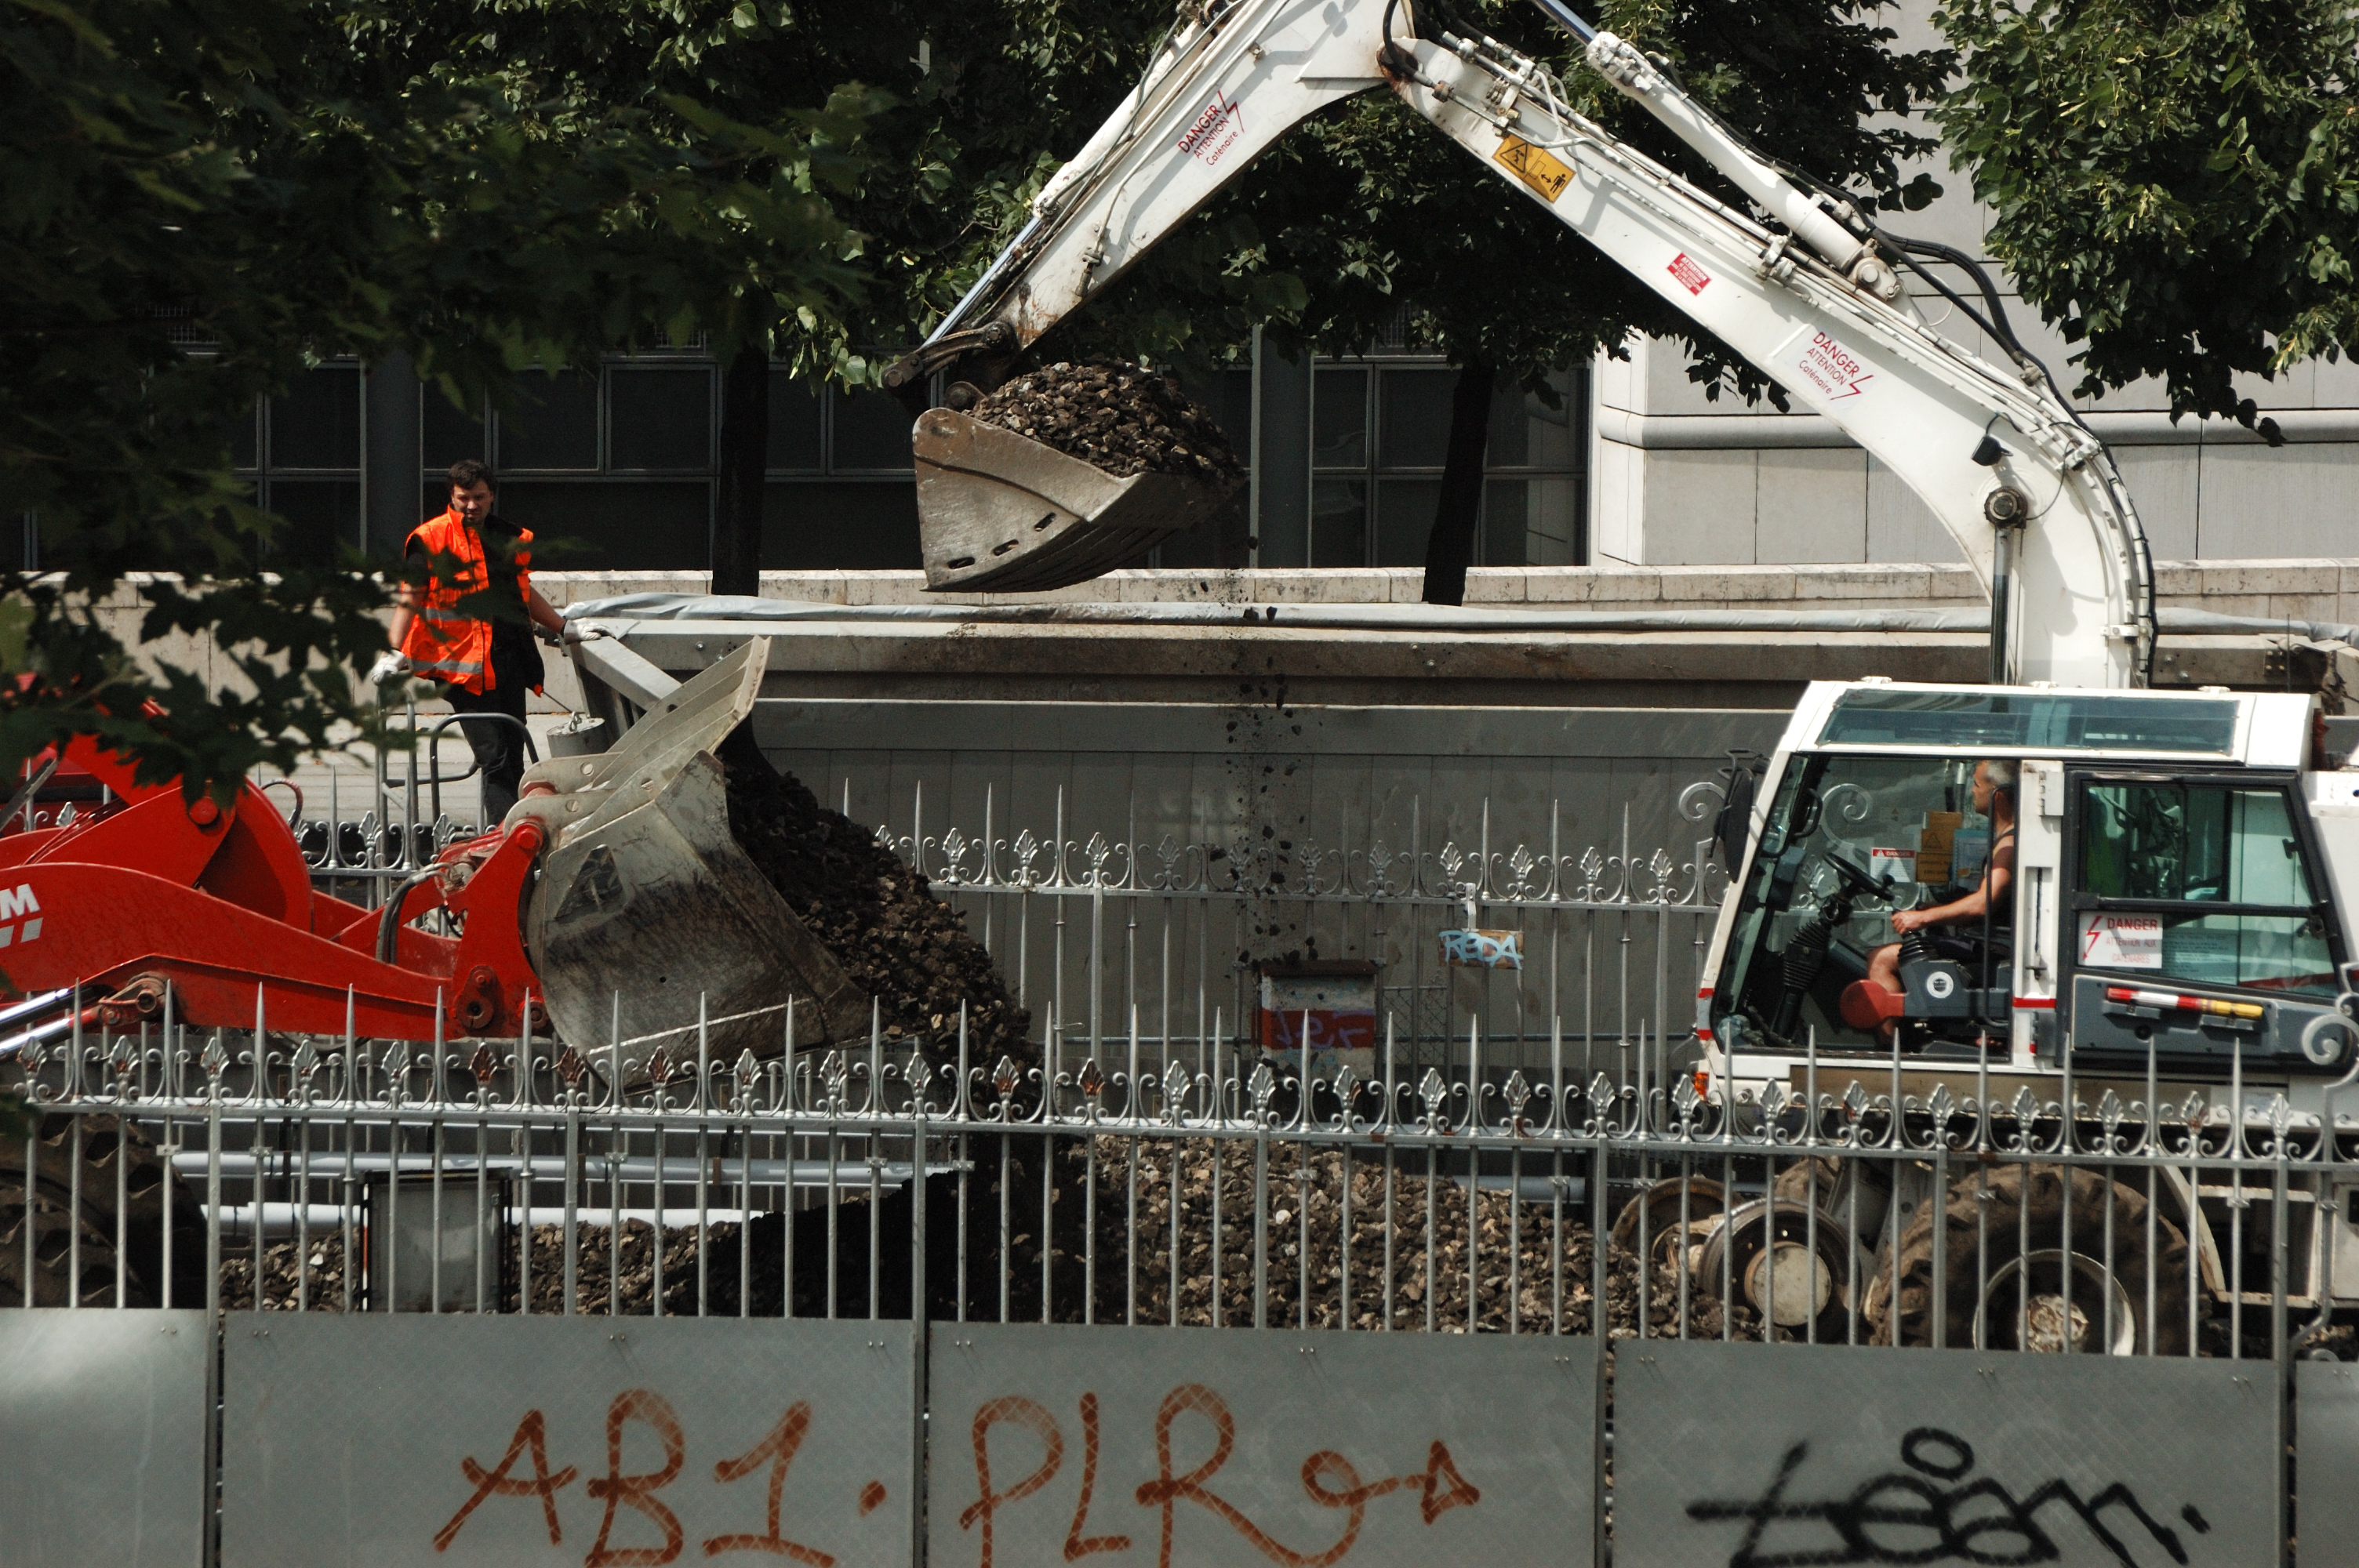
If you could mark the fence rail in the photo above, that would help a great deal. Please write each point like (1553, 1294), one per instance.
(1521, 1149)
(1085, 923)
(256, 1171)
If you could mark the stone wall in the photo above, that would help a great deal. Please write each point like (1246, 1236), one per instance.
(2321, 589)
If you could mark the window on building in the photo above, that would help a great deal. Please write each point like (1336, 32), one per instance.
(841, 491)
(301, 453)
(1228, 397)
(612, 472)
(1380, 438)
(616, 471)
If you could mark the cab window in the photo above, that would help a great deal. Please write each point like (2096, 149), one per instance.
(2205, 883)
(1847, 840)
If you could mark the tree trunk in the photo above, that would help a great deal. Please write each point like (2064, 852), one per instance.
(744, 455)
(1449, 549)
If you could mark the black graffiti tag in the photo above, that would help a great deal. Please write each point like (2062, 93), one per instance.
(1910, 1517)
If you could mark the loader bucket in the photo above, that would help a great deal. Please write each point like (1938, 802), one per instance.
(1000, 512)
(649, 916)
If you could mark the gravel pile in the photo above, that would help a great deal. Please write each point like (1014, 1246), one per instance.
(1125, 420)
(278, 1259)
(1511, 1280)
(1293, 1195)
(877, 916)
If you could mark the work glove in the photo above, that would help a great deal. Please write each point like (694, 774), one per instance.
(393, 665)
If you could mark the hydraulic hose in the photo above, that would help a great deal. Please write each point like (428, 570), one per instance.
(389, 924)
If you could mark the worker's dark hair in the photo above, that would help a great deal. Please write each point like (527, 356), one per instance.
(468, 473)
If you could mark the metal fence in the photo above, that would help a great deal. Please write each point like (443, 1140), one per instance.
(1086, 925)
(1086, 928)
(1162, 1156)
(363, 833)
(256, 1171)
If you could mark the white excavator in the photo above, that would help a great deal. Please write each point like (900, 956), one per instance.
(2178, 861)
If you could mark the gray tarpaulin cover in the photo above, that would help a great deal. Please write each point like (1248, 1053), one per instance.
(1391, 617)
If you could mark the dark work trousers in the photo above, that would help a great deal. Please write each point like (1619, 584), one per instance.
(499, 745)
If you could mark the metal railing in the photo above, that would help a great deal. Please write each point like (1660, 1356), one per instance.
(362, 834)
(256, 1171)
(1153, 1157)
(1085, 923)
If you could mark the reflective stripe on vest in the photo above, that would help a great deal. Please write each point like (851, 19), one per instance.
(443, 641)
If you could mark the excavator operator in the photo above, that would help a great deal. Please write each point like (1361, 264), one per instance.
(452, 625)
(1993, 797)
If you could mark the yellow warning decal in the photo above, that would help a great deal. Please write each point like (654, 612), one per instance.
(1542, 172)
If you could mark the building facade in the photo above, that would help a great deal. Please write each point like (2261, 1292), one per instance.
(617, 471)
(1625, 461)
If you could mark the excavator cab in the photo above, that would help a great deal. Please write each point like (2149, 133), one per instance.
(1849, 841)
(2181, 874)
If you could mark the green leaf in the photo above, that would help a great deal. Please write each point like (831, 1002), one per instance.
(17, 616)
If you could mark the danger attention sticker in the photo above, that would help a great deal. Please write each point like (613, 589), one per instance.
(2122, 942)
(1215, 130)
(1690, 276)
(1542, 172)
(1835, 370)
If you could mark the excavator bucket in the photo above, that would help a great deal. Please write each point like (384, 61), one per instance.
(1000, 512)
(649, 920)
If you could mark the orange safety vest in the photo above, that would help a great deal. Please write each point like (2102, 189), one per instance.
(443, 641)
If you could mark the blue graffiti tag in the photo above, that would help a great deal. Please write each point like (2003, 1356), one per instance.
(1483, 949)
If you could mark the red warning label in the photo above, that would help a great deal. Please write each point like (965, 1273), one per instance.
(1833, 371)
(1691, 277)
(1214, 130)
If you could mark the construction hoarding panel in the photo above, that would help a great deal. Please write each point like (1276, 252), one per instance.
(103, 1420)
(2326, 1474)
(1162, 1446)
(1752, 1454)
(380, 1441)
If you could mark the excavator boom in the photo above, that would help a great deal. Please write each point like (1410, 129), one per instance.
(2029, 495)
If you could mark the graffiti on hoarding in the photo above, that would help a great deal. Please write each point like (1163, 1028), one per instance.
(1328, 1030)
(1900, 1516)
(637, 1491)
(1329, 1479)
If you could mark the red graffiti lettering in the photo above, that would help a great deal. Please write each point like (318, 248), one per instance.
(1029, 1414)
(639, 1491)
(1351, 1494)
(1077, 1545)
(1437, 1501)
(777, 1450)
(531, 1433)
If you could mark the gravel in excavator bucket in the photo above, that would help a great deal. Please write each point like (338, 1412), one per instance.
(1000, 512)
(649, 916)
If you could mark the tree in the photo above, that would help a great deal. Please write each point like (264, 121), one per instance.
(977, 92)
(262, 180)
(2176, 185)
(1365, 209)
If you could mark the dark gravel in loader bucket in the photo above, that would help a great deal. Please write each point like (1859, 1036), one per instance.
(1000, 512)
(648, 913)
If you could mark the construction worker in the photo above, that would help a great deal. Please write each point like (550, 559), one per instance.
(454, 624)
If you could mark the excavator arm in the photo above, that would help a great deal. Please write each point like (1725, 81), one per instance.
(2026, 489)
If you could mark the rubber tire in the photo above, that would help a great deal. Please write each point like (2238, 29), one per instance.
(108, 1143)
(2041, 1188)
(1792, 1223)
(1661, 1204)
